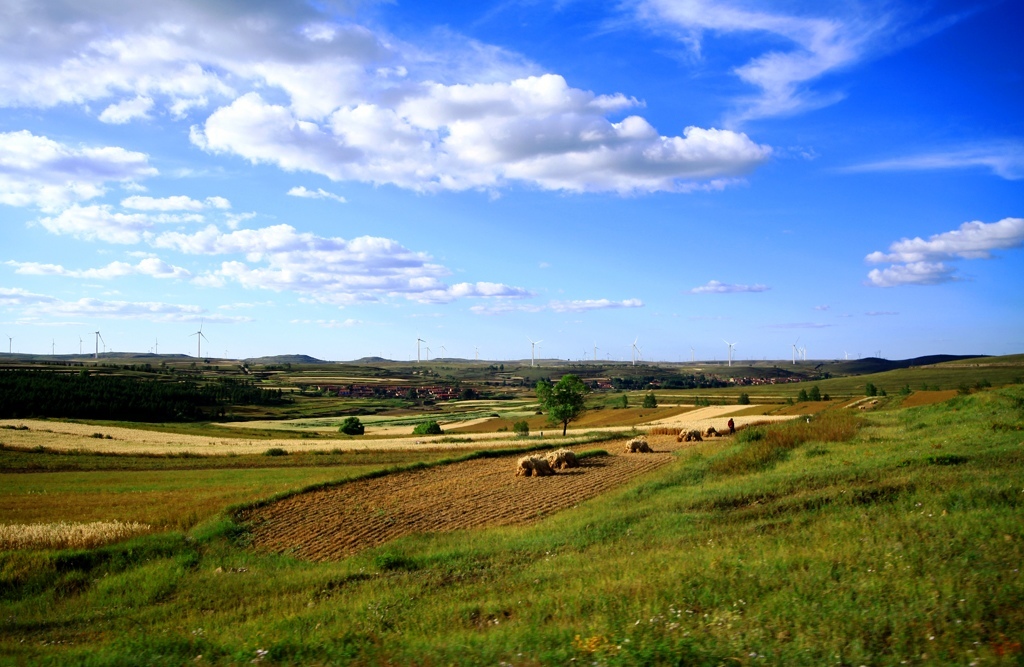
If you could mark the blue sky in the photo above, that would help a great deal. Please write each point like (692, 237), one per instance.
(340, 178)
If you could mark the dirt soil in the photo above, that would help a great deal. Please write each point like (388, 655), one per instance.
(332, 523)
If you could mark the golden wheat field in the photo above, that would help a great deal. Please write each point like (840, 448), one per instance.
(63, 535)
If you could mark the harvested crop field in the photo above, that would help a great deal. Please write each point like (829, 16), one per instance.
(332, 523)
(718, 416)
(919, 398)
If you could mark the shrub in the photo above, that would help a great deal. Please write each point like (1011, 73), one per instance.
(352, 426)
(802, 396)
(428, 428)
(650, 401)
(744, 399)
(870, 389)
(275, 451)
(521, 428)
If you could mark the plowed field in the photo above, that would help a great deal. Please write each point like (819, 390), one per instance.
(332, 523)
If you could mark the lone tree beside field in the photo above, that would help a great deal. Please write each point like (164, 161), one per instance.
(650, 401)
(563, 401)
(352, 426)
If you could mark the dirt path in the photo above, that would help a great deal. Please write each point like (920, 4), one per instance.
(333, 523)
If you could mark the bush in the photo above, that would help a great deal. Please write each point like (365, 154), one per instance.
(870, 389)
(815, 393)
(650, 401)
(521, 428)
(802, 396)
(428, 428)
(275, 451)
(352, 426)
(744, 399)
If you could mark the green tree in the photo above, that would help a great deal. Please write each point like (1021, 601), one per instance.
(815, 394)
(623, 401)
(351, 426)
(563, 401)
(521, 428)
(744, 399)
(870, 389)
(427, 428)
(802, 396)
(650, 401)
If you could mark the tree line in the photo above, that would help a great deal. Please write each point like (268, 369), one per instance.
(26, 394)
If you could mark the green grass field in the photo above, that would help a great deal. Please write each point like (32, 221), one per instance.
(892, 537)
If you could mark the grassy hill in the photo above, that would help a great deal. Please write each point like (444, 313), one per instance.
(883, 538)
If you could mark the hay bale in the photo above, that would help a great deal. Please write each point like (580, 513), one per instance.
(530, 466)
(693, 436)
(563, 458)
(711, 432)
(638, 446)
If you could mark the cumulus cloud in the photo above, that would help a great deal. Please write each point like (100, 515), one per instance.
(353, 103)
(103, 223)
(126, 111)
(327, 269)
(919, 261)
(537, 131)
(319, 193)
(38, 171)
(174, 203)
(150, 266)
(816, 45)
(716, 287)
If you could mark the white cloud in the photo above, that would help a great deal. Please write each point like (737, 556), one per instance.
(716, 287)
(174, 203)
(918, 261)
(354, 103)
(327, 269)
(880, 313)
(37, 171)
(319, 193)
(822, 307)
(583, 305)
(537, 131)
(1005, 160)
(973, 240)
(331, 324)
(150, 266)
(556, 306)
(914, 273)
(127, 110)
(818, 45)
(35, 306)
(102, 223)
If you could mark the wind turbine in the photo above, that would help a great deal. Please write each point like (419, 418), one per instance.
(444, 351)
(477, 351)
(156, 346)
(10, 343)
(96, 355)
(731, 345)
(428, 353)
(53, 346)
(79, 345)
(691, 355)
(199, 340)
(596, 348)
(795, 350)
(634, 349)
(418, 341)
(533, 349)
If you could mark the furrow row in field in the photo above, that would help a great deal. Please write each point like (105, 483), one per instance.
(332, 523)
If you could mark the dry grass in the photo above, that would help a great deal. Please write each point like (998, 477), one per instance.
(63, 535)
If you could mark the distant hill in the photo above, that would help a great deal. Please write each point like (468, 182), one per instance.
(875, 365)
(370, 360)
(281, 359)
